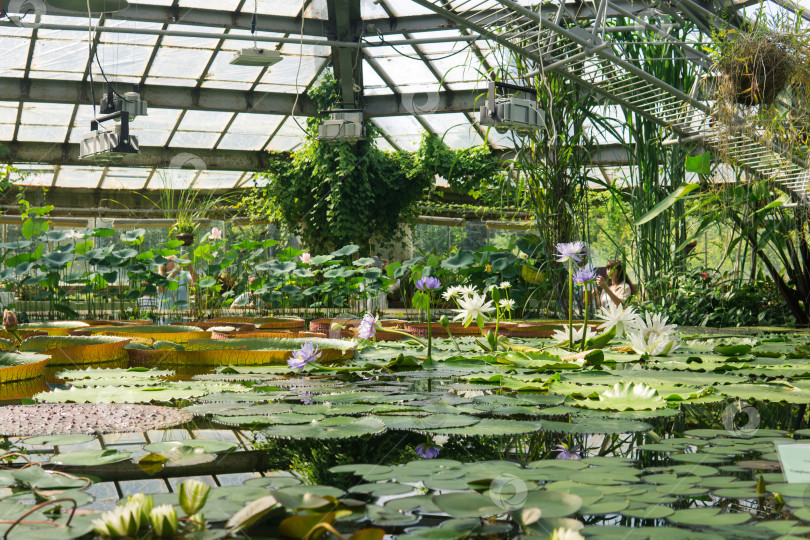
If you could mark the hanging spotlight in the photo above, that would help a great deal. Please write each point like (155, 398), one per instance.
(511, 113)
(96, 6)
(343, 125)
(256, 57)
(109, 147)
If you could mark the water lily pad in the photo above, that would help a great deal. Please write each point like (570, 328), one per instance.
(90, 458)
(707, 517)
(58, 440)
(213, 447)
(336, 427)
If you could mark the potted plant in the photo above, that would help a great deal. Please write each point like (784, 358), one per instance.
(183, 229)
(763, 84)
(756, 66)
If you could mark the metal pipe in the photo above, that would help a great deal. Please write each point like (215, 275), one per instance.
(263, 39)
(204, 35)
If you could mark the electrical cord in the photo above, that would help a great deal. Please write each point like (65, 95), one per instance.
(298, 72)
(383, 43)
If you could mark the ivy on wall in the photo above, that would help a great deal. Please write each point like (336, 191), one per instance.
(340, 193)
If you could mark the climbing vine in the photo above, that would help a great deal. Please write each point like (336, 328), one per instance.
(339, 193)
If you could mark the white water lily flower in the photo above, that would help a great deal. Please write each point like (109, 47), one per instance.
(562, 335)
(120, 521)
(451, 293)
(504, 285)
(440, 440)
(656, 325)
(472, 307)
(506, 303)
(565, 534)
(653, 344)
(624, 319)
(164, 520)
(74, 235)
(467, 290)
(143, 503)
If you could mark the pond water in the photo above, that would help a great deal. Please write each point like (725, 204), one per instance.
(467, 444)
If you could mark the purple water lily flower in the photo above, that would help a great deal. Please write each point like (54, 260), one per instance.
(306, 398)
(585, 276)
(570, 251)
(428, 284)
(425, 451)
(565, 453)
(367, 328)
(303, 356)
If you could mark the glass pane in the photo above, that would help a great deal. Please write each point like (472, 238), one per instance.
(218, 179)
(125, 178)
(59, 59)
(79, 177)
(283, 76)
(35, 175)
(454, 128)
(404, 130)
(288, 137)
(172, 179)
(14, 57)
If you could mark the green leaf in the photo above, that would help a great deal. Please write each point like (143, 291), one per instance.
(460, 261)
(90, 458)
(668, 201)
(701, 164)
(207, 282)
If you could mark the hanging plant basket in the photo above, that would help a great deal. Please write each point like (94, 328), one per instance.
(186, 238)
(756, 70)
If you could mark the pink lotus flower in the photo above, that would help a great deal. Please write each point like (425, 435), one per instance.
(306, 258)
(215, 234)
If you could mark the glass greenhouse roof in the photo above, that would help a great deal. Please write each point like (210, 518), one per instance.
(149, 52)
(247, 109)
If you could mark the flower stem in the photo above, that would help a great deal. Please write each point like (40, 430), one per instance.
(430, 329)
(406, 334)
(570, 303)
(585, 326)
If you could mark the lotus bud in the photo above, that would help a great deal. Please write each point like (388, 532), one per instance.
(143, 503)
(9, 320)
(444, 321)
(193, 495)
(164, 520)
(196, 523)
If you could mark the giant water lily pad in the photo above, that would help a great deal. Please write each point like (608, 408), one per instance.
(87, 418)
(72, 350)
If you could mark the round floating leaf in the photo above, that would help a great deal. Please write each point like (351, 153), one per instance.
(90, 458)
(383, 489)
(212, 447)
(433, 421)
(467, 505)
(489, 427)
(707, 517)
(58, 440)
(587, 426)
(648, 511)
(336, 427)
